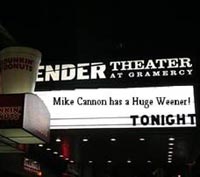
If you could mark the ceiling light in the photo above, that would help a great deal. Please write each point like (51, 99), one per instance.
(170, 148)
(109, 161)
(90, 161)
(40, 145)
(48, 149)
(148, 161)
(85, 139)
(55, 152)
(169, 161)
(128, 161)
(66, 158)
(170, 152)
(58, 140)
(39, 173)
(171, 139)
(61, 155)
(112, 139)
(169, 158)
(71, 161)
(142, 139)
(169, 155)
(171, 144)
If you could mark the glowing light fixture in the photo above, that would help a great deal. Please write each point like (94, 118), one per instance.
(142, 139)
(171, 139)
(85, 139)
(171, 144)
(58, 140)
(113, 139)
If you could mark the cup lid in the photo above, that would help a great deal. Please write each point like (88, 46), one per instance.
(21, 49)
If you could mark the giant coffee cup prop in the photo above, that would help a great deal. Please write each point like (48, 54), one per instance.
(19, 67)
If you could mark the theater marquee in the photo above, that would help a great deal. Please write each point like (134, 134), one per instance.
(150, 107)
(116, 69)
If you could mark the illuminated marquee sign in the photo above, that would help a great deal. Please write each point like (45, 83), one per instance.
(116, 69)
(24, 118)
(121, 108)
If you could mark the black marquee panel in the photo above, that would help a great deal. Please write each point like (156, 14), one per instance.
(117, 73)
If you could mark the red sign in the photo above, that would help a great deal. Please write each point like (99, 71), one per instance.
(11, 110)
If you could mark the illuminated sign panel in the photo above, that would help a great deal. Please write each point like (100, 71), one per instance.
(121, 107)
(24, 118)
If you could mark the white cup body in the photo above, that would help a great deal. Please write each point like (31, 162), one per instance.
(19, 68)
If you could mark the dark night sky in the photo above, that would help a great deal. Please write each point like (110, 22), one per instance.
(96, 28)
